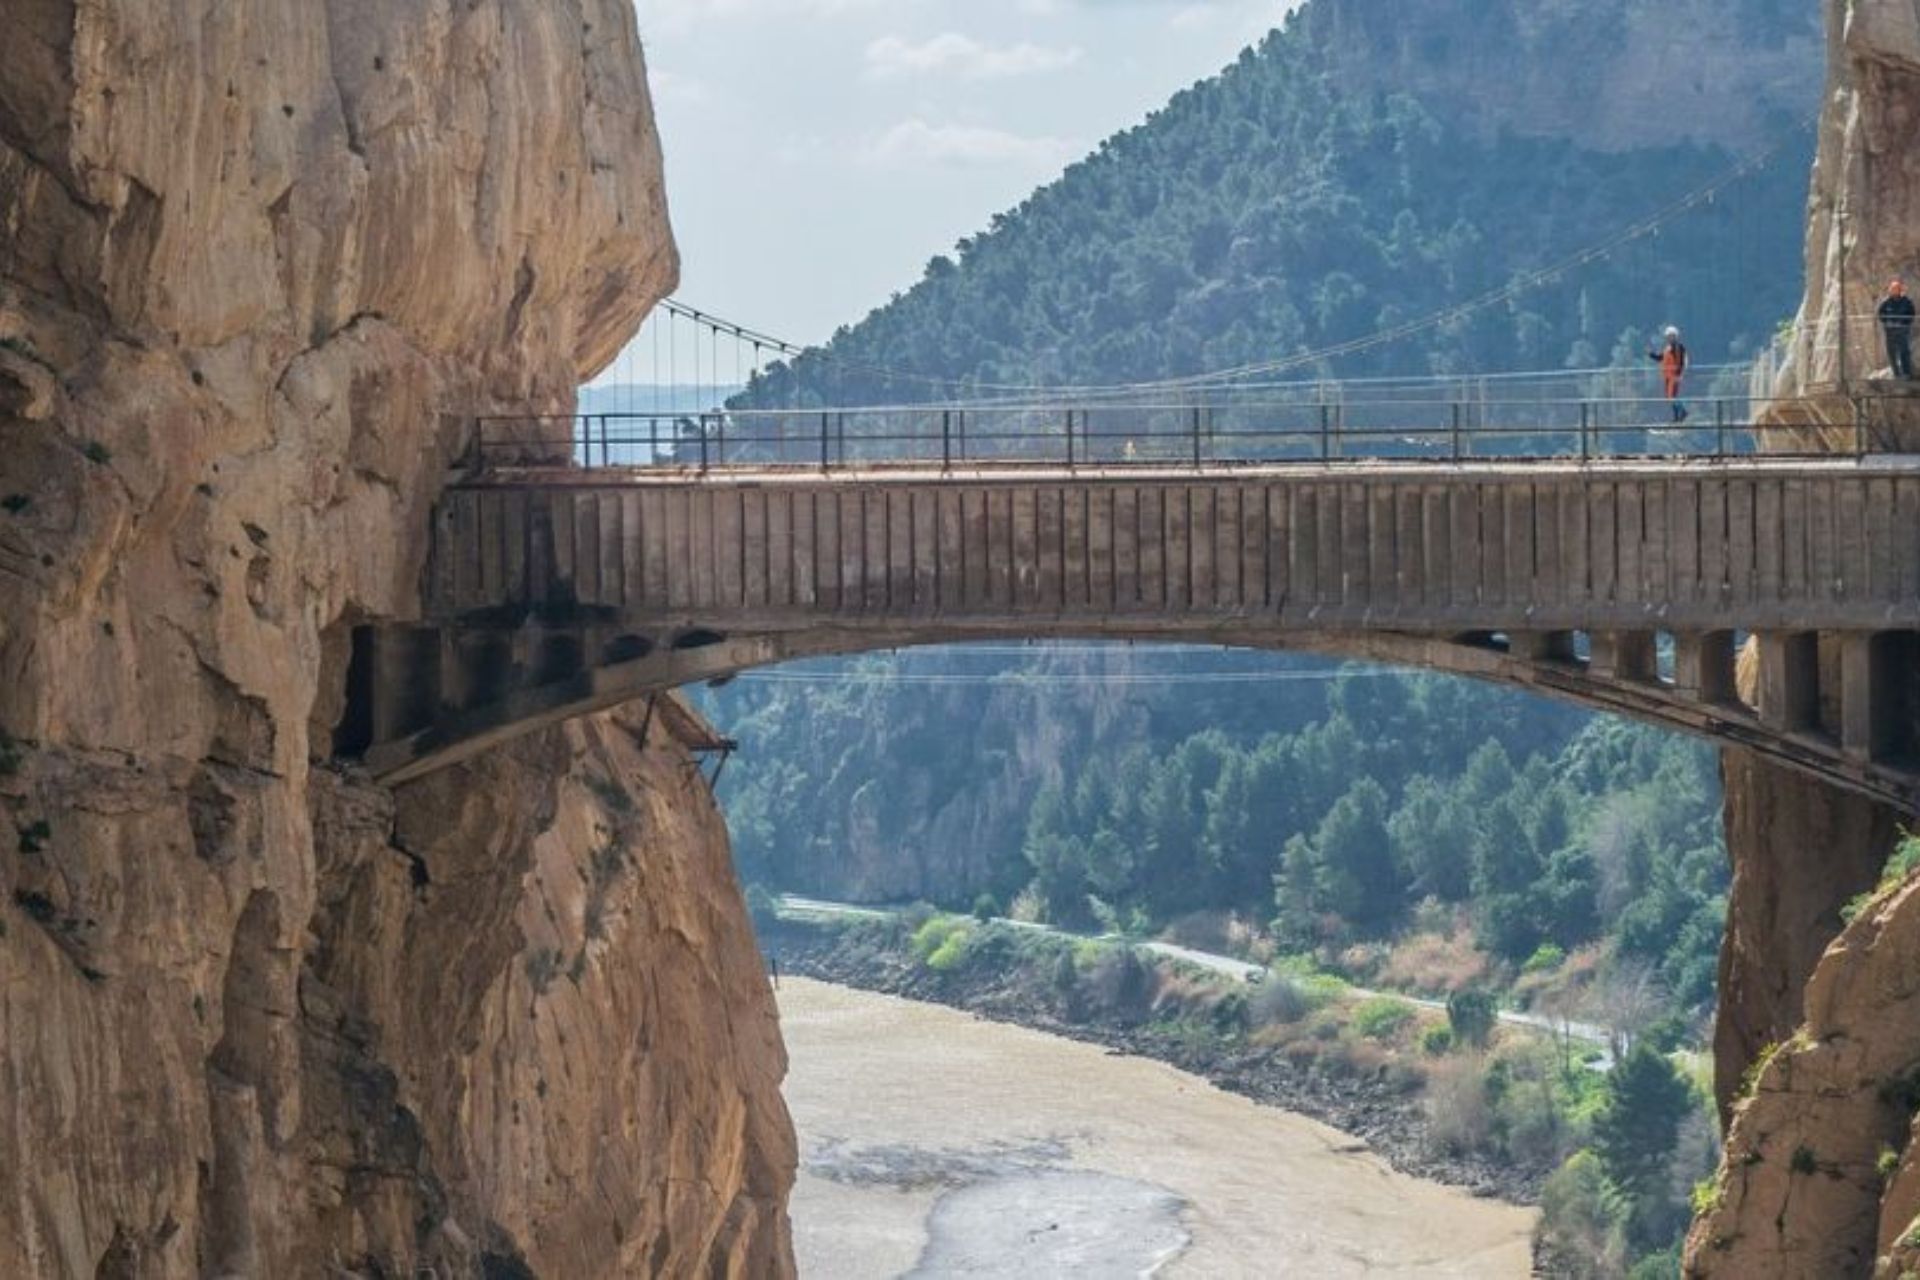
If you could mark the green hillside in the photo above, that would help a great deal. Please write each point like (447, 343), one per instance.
(1289, 204)
(1369, 164)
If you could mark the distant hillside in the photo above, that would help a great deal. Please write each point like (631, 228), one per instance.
(1372, 162)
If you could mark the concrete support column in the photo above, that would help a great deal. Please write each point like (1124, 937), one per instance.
(1875, 694)
(1542, 646)
(1703, 666)
(1790, 680)
(1625, 655)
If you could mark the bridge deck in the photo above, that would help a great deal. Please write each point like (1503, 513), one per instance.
(1748, 544)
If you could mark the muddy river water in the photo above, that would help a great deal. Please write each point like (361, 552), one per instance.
(936, 1144)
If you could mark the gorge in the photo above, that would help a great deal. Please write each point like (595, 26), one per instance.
(262, 1015)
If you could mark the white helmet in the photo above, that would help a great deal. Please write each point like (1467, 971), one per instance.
(1672, 332)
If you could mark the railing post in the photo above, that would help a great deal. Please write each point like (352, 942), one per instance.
(653, 441)
(840, 430)
(720, 421)
(1719, 428)
(1196, 437)
(1326, 430)
(1069, 439)
(825, 420)
(946, 439)
(1456, 430)
(702, 425)
(1586, 419)
(606, 444)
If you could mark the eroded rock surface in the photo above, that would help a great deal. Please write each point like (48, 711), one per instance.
(1818, 1179)
(258, 259)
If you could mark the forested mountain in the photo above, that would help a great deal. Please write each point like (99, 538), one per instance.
(1364, 163)
(1373, 162)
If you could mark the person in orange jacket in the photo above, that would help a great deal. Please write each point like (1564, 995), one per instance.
(1672, 360)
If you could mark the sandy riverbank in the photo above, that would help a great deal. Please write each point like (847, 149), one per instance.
(935, 1141)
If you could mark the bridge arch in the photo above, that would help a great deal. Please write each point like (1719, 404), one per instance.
(1685, 684)
(1624, 585)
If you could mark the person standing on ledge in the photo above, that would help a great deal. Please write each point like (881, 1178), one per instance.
(1673, 369)
(1896, 322)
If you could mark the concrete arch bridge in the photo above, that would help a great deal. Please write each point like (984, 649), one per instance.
(1630, 584)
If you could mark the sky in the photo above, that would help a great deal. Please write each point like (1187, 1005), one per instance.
(820, 152)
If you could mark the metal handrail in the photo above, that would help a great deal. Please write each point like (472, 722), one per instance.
(1109, 435)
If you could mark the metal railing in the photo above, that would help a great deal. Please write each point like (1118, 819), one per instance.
(1218, 433)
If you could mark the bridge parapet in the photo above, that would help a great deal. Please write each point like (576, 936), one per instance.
(1748, 545)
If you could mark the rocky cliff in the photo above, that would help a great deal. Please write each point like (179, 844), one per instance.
(257, 1016)
(1818, 1178)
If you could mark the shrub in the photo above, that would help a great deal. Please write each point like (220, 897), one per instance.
(1459, 1118)
(1664, 1265)
(1437, 1041)
(94, 451)
(1088, 952)
(1804, 1160)
(1435, 962)
(1900, 864)
(1888, 1163)
(1545, 959)
(1230, 1014)
(1381, 1017)
(1029, 907)
(932, 935)
(985, 907)
(1705, 1197)
(1065, 978)
(1581, 1219)
(15, 503)
(1203, 931)
(1472, 1015)
(952, 950)
(1278, 1000)
(1750, 1078)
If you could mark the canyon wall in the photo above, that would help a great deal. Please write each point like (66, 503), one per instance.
(1818, 1045)
(258, 1016)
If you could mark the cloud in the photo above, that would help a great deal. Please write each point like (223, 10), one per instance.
(893, 57)
(915, 142)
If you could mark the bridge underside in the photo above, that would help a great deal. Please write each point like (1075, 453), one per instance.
(1631, 587)
(1842, 707)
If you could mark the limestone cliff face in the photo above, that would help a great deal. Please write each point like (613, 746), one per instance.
(1805, 1192)
(1802, 1191)
(1785, 898)
(259, 256)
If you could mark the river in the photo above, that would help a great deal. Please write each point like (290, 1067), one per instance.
(936, 1144)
